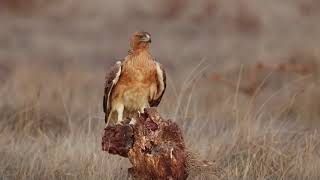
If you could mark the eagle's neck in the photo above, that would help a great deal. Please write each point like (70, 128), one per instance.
(140, 58)
(137, 51)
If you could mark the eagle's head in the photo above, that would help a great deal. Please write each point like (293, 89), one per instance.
(140, 40)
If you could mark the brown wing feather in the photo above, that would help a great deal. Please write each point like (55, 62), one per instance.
(161, 76)
(111, 80)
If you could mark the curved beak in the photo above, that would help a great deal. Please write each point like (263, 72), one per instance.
(146, 38)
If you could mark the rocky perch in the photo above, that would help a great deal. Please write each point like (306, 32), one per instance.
(155, 148)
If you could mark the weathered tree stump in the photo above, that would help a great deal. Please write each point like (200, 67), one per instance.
(155, 147)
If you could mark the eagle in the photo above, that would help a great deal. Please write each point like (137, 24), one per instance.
(134, 83)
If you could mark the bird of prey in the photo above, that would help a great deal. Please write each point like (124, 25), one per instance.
(135, 83)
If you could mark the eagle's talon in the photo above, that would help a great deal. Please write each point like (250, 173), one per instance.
(120, 123)
(107, 125)
(133, 121)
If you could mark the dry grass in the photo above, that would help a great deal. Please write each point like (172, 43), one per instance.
(51, 128)
(52, 70)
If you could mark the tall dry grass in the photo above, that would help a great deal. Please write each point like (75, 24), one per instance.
(53, 62)
(52, 122)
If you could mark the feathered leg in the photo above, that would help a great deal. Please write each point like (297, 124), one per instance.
(120, 109)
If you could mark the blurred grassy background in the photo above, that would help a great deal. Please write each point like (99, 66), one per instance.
(54, 56)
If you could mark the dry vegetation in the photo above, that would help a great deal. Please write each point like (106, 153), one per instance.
(53, 58)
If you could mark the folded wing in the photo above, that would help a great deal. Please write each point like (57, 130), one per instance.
(111, 80)
(161, 85)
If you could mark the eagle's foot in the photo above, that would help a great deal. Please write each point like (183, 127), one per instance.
(121, 123)
(133, 121)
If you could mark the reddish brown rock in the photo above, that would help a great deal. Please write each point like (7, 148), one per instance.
(117, 139)
(155, 147)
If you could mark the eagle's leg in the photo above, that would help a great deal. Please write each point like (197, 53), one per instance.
(143, 107)
(120, 109)
(140, 111)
